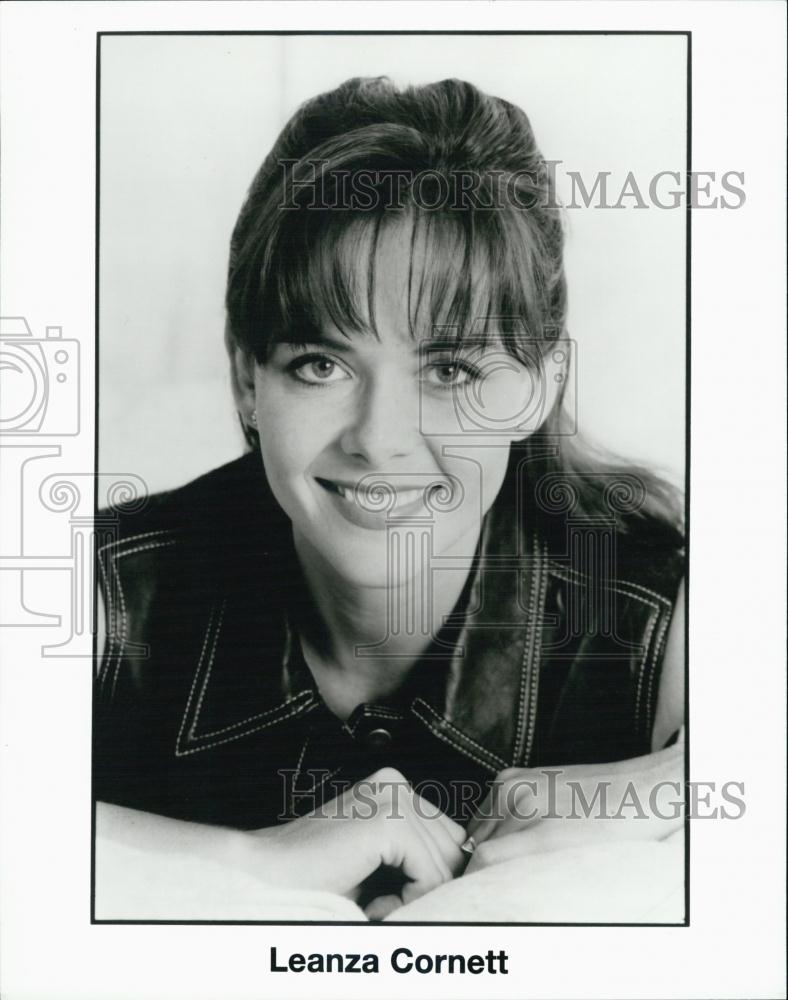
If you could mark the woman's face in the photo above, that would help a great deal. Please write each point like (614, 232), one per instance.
(365, 438)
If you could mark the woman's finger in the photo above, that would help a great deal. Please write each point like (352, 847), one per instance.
(491, 813)
(415, 889)
(380, 908)
(477, 819)
(448, 848)
(512, 803)
(429, 836)
(481, 830)
(447, 835)
(405, 843)
(429, 811)
(488, 814)
(421, 864)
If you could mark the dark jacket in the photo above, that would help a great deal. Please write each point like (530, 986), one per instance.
(206, 710)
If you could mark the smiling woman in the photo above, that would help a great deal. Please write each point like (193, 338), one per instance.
(419, 578)
(343, 422)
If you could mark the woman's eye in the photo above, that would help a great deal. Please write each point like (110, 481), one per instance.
(451, 374)
(317, 369)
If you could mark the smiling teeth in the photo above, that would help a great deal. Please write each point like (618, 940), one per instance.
(369, 498)
(408, 496)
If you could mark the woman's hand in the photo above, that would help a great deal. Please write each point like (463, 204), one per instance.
(192, 870)
(534, 810)
(379, 821)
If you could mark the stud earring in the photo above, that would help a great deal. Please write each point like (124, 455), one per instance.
(253, 417)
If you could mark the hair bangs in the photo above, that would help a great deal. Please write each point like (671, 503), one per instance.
(313, 278)
(470, 277)
(475, 278)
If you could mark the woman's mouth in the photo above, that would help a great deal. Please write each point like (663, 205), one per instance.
(371, 497)
(378, 502)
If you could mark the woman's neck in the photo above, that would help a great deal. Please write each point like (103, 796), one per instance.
(363, 641)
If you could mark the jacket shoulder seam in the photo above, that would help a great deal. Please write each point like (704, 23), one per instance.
(625, 587)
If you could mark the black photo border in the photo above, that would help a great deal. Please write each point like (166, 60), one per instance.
(687, 480)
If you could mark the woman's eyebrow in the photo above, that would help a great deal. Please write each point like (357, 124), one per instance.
(447, 343)
(319, 339)
(316, 338)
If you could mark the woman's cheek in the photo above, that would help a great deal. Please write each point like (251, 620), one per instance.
(288, 420)
(440, 416)
(480, 465)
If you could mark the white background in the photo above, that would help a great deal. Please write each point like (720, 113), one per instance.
(186, 123)
(735, 946)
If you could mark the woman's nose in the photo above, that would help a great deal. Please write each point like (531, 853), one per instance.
(384, 424)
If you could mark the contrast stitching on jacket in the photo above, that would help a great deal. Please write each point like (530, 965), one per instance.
(460, 749)
(144, 548)
(122, 598)
(372, 712)
(135, 538)
(619, 586)
(217, 632)
(192, 735)
(643, 667)
(326, 777)
(583, 577)
(315, 784)
(464, 736)
(647, 663)
(375, 709)
(294, 705)
(111, 625)
(194, 681)
(382, 710)
(615, 588)
(111, 611)
(658, 646)
(118, 643)
(300, 760)
(121, 643)
(647, 590)
(114, 623)
(527, 646)
(526, 667)
(261, 715)
(533, 693)
(295, 710)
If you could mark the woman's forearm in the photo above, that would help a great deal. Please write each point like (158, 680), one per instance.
(160, 835)
(153, 867)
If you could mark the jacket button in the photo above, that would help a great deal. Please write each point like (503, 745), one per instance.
(378, 739)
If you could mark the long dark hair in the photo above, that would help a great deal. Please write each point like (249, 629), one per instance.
(465, 170)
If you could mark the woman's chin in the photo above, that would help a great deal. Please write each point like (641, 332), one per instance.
(369, 559)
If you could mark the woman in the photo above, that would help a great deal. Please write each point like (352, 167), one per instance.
(418, 585)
